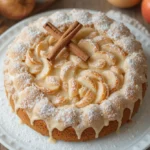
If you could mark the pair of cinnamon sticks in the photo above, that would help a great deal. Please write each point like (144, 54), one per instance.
(64, 39)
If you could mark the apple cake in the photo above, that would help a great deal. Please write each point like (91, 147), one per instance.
(68, 98)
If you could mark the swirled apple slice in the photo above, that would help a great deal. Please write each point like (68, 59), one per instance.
(31, 57)
(117, 51)
(42, 46)
(82, 91)
(117, 70)
(83, 33)
(78, 62)
(107, 56)
(50, 85)
(112, 80)
(73, 87)
(88, 82)
(92, 74)
(88, 98)
(88, 46)
(102, 92)
(67, 71)
(60, 101)
(119, 73)
(46, 69)
(97, 64)
(33, 68)
(52, 40)
(101, 40)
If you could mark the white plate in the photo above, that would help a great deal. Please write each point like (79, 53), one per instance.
(133, 136)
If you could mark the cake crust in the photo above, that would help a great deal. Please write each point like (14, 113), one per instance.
(69, 133)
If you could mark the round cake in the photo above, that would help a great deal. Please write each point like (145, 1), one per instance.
(67, 98)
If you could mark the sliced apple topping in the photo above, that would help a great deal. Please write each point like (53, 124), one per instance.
(50, 85)
(82, 91)
(102, 92)
(31, 58)
(60, 101)
(119, 72)
(92, 35)
(86, 100)
(34, 67)
(88, 82)
(97, 64)
(101, 40)
(92, 74)
(67, 71)
(78, 62)
(52, 40)
(84, 32)
(47, 66)
(73, 87)
(88, 46)
(117, 51)
(112, 80)
(107, 56)
(42, 46)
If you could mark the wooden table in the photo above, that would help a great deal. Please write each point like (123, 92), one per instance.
(101, 5)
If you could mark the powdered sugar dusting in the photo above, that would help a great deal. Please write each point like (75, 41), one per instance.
(118, 30)
(68, 116)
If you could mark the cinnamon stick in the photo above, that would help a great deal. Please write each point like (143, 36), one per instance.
(72, 46)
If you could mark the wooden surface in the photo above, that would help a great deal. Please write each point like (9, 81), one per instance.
(101, 5)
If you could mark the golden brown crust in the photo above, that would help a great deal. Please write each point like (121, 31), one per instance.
(69, 133)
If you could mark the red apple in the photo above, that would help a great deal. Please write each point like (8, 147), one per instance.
(16, 9)
(124, 3)
(146, 10)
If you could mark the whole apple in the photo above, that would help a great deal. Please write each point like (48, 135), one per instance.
(16, 9)
(146, 10)
(124, 3)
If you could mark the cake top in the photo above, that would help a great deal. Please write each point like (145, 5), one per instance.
(68, 90)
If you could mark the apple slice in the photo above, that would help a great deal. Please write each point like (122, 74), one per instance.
(46, 69)
(102, 92)
(86, 100)
(84, 32)
(107, 56)
(92, 35)
(88, 46)
(102, 40)
(78, 62)
(117, 70)
(42, 46)
(52, 40)
(50, 85)
(73, 87)
(30, 56)
(117, 51)
(88, 82)
(60, 101)
(112, 80)
(67, 71)
(119, 73)
(34, 68)
(97, 64)
(92, 74)
(82, 91)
